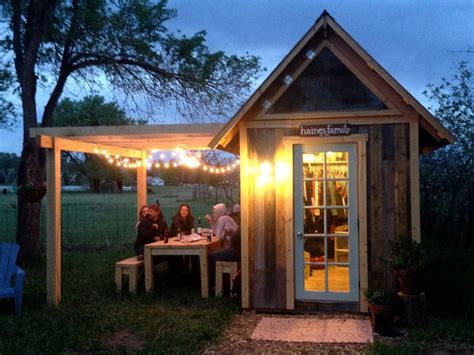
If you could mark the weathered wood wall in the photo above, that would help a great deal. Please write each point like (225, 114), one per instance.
(388, 209)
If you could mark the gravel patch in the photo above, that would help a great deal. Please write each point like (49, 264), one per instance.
(237, 338)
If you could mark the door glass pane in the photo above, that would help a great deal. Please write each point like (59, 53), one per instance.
(341, 249)
(313, 165)
(314, 274)
(338, 278)
(337, 165)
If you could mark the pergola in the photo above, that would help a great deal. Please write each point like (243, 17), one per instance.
(126, 141)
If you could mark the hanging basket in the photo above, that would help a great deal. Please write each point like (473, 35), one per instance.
(32, 193)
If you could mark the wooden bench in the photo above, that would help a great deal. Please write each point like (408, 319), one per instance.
(129, 267)
(225, 267)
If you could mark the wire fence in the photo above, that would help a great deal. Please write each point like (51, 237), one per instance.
(99, 220)
(82, 224)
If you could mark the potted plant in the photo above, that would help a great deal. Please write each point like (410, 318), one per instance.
(33, 191)
(382, 307)
(408, 259)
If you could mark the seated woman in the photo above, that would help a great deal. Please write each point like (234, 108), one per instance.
(220, 222)
(141, 215)
(152, 228)
(183, 220)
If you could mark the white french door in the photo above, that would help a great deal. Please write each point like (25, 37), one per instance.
(326, 230)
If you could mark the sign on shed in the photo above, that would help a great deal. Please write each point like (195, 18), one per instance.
(325, 130)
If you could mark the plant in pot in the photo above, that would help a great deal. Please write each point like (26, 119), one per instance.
(33, 191)
(382, 307)
(408, 260)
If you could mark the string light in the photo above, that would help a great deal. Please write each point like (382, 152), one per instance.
(182, 158)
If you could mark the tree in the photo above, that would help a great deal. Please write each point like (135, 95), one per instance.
(447, 197)
(447, 175)
(126, 42)
(92, 111)
(8, 167)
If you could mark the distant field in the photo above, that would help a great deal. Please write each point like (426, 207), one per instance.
(93, 220)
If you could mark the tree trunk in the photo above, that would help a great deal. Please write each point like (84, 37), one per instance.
(32, 165)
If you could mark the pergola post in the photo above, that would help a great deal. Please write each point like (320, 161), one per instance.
(53, 240)
(141, 183)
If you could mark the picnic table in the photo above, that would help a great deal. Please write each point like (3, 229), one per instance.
(201, 248)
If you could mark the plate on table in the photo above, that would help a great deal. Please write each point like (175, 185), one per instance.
(193, 238)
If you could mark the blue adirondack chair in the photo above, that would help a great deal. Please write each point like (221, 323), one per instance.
(11, 275)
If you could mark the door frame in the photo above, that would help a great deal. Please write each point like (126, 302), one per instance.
(361, 141)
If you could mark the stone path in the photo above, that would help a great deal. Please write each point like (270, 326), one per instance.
(316, 330)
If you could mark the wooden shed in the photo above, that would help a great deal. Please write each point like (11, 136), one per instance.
(329, 148)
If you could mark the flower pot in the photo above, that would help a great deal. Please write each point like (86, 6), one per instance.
(409, 280)
(381, 317)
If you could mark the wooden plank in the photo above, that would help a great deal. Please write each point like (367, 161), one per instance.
(388, 220)
(53, 232)
(141, 183)
(287, 188)
(362, 205)
(401, 179)
(415, 181)
(375, 205)
(282, 172)
(84, 147)
(162, 129)
(345, 116)
(244, 213)
(354, 138)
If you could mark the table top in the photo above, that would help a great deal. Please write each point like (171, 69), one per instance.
(173, 243)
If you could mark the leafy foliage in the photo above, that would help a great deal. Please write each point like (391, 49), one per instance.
(447, 196)
(91, 111)
(380, 297)
(8, 168)
(447, 175)
(127, 44)
(406, 253)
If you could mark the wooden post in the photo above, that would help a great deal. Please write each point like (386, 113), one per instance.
(244, 197)
(141, 183)
(415, 181)
(53, 244)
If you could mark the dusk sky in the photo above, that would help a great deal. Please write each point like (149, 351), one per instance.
(417, 42)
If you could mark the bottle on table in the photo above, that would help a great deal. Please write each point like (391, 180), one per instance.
(165, 237)
(199, 228)
(178, 235)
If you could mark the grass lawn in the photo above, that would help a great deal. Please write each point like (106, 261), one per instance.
(94, 317)
(98, 230)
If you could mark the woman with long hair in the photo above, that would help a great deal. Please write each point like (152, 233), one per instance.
(182, 220)
(151, 228)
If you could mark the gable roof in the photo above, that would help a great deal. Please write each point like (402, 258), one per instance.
(441, 135)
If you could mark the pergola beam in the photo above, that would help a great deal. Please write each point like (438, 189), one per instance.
(72, 145)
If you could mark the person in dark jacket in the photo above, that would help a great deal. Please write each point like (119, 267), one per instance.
(182, 220)
(152, 228)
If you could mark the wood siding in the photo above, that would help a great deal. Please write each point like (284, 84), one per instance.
(387, 198)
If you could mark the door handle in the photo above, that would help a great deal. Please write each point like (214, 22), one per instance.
(299, 235)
